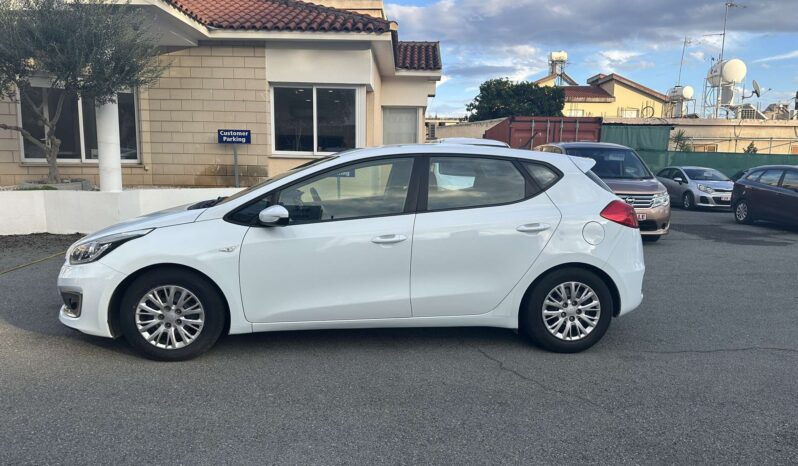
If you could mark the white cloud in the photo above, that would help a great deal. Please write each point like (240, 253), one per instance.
(783, 56)
(698, 55)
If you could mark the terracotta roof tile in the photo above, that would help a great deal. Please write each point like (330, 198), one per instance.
(278, 15)
(420, 56)
(586, 94)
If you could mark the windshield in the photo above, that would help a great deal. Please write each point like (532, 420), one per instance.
(614, 163)
(705, 174)
(274, 178)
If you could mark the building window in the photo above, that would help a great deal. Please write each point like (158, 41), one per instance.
(705, 147)
(315, 119)
(399, 125)
(77, 126)
(630, 113)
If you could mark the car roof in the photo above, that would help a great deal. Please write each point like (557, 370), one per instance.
(471, 141)
(587, 144)
(776, 167)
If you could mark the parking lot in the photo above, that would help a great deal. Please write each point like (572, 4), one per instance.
(706, 371)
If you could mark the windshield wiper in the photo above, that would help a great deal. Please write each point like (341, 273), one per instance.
(206, 204)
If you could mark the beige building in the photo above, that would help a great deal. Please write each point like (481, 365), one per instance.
(609, 95)
(305, 79)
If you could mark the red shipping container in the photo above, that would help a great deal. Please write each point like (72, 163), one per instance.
(528, 132)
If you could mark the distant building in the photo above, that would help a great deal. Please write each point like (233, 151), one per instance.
(433, 123)
(609, 95)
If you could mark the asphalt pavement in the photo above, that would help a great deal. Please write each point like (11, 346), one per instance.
(705, 371)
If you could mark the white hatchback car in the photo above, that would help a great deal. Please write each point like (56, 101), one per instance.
(404, 236)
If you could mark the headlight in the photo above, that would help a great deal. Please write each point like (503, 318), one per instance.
(705, 189)
(90, 251)
(660, 199)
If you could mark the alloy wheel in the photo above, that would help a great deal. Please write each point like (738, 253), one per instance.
(571, 311)
(741, 211)
(687, 202)
(170, 317)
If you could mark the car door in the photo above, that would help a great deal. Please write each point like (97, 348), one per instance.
(665, 176)
(764, 195)
(345, 253)
(788, 203)
(483, 225)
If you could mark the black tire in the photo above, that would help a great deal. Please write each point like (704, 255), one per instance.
(742, 212)
(651, 238)
(532, 321)
(688, 201)
(213, 305)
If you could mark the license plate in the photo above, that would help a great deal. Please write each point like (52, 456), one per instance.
(641, 216)
(725, 197)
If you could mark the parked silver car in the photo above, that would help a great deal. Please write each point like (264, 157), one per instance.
(692, 187)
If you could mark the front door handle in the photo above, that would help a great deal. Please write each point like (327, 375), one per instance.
(388, 239)
(533, 227)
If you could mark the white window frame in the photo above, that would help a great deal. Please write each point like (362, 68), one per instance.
(83, 158)
(360, 119)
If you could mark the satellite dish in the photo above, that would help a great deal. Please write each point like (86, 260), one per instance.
(757, 89)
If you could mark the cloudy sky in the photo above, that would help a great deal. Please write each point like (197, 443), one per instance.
(639, 39)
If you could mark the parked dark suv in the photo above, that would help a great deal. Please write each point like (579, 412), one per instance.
(767, 193)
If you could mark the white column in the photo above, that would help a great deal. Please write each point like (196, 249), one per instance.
(108, 152)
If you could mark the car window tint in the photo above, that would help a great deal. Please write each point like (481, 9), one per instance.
(543, 175)
(771, 177)
(790, 180)
(753, 175)
(459, 182)
(362, 190)
(664, 173)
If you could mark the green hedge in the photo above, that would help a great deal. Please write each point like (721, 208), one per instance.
(726, 162)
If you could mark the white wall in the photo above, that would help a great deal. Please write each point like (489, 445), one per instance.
(65, 212)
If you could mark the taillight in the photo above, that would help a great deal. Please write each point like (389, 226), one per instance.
(621, 212)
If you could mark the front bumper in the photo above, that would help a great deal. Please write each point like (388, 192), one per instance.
(657, 221)
(713, 201)
(94, 283)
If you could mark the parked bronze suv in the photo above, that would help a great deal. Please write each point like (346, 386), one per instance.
(629, 178)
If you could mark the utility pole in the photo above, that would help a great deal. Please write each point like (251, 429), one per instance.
(723, 45)
(681, 63)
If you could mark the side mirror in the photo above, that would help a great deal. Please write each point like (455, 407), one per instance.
(273, 216)
(678, 179)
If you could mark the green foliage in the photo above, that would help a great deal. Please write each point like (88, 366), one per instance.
(501, 97)
(682, 141)
(751, 149)
(89, 48)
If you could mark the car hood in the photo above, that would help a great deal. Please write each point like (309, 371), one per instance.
(647, 186)
(164, 218)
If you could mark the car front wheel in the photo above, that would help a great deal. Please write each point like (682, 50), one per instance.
(742, 212)
(171, 315)
(688, 201)
(568, 311)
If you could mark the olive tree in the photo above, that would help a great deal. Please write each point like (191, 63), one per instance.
(499, 98)
(86, 48)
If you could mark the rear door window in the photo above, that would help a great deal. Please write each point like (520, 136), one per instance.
(463, 182)
(790, 180)
(771, 177)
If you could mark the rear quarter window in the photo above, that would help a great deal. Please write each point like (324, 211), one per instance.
(544, 176)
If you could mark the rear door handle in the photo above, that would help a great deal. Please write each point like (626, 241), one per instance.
(388, 239)
(533, 227)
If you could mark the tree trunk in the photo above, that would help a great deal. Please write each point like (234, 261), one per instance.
(54, 145)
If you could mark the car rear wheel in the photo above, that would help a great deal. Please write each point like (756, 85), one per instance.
(568, 311)
(742, 212)
(171, 315)
(688, 201)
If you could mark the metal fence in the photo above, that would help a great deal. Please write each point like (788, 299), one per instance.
(726, 162)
